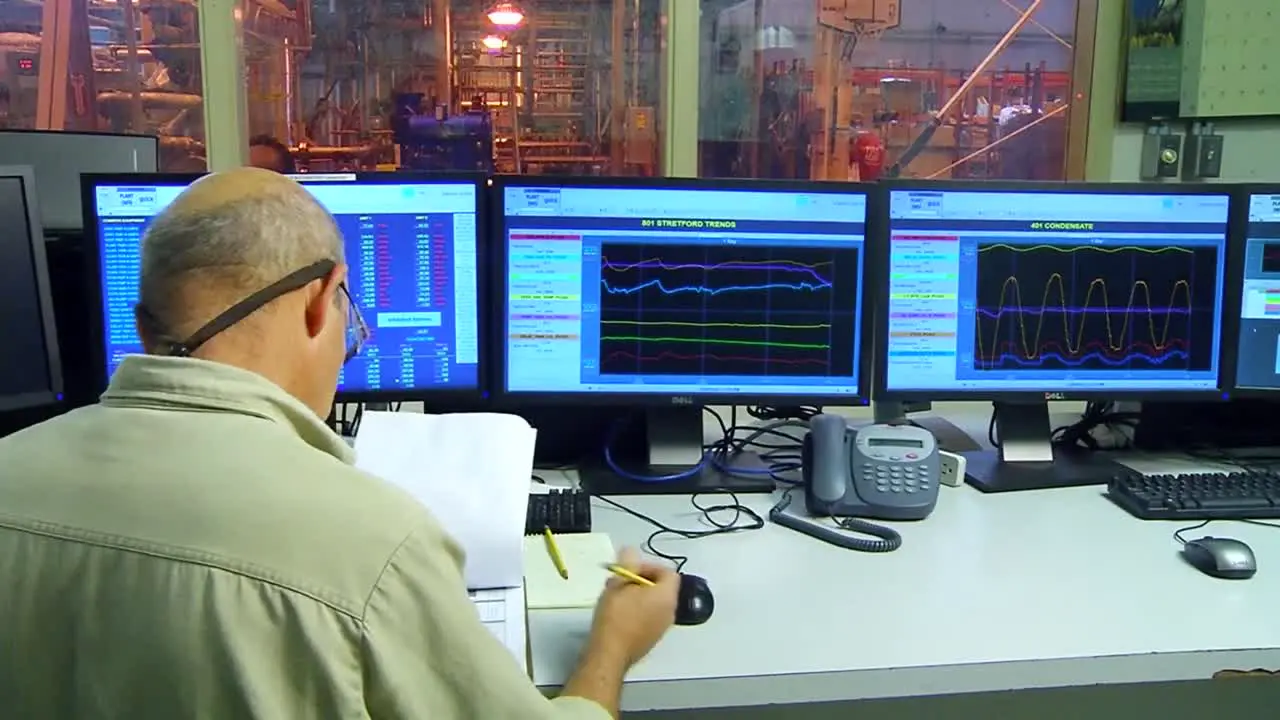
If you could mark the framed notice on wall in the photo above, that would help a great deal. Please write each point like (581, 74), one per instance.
(1153, 37)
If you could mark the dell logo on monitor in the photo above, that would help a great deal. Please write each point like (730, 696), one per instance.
(1055, 396)
(681, 400)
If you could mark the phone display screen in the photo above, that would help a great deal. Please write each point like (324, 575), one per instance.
(894, 442)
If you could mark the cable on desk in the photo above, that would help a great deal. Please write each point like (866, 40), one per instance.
(721, 455)
(770, 412)
(1177, 534)
(754, 522)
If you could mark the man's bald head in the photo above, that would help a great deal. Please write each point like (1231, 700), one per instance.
(227, 236)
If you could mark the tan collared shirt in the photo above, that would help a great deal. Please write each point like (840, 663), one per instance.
(199, 546)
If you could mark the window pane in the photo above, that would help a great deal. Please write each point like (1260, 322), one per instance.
(131, 68)
(839, 89)
(564, 87)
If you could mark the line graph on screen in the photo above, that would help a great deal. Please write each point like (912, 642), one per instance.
(726, 310)
(1091, 307)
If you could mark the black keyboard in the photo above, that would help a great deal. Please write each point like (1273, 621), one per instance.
(1198, 496)
(564, 511)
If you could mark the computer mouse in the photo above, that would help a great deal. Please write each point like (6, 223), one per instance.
(695, 602)
(1221, 557)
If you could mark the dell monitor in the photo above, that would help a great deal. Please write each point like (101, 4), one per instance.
(677, 294)
(60, 158)
(1258, 339)
(1025, 293)
(30, 370)
(412, 246)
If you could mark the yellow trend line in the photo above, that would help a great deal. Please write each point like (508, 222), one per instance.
(693, 324)
(1032, 351)
(1028, 248)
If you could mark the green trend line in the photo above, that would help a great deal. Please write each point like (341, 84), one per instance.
(1077, 248)
(711, 341)
(642, 323)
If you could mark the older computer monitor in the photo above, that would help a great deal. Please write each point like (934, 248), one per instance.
(30, 370)
(1026, 293)
(59, 159)
(414, 251)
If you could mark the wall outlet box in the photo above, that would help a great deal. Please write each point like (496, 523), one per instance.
(952, 472)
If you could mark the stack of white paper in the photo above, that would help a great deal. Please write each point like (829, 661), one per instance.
(472, 471)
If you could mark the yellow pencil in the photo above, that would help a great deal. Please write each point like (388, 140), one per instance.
(626, 574)
(554, 551)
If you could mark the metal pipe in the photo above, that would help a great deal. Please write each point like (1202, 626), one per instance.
(1056, 111)
(152, 99)
(635, 53)
(922, 140)
(288, 91)
(618, 102)
(136, 118)
(1040, 25)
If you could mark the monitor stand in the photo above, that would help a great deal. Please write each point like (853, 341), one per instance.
(673, 438)
(1027, 459)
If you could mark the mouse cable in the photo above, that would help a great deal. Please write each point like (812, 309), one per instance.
(1177, 535)
(721, 454)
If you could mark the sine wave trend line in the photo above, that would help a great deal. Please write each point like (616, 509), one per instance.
(1032, 351)
(757, 265)
(1080, 248)
(668, 355)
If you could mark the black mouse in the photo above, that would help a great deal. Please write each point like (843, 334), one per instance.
(695, 603)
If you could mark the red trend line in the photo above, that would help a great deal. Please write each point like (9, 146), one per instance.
(622, 355)
(1053, 346)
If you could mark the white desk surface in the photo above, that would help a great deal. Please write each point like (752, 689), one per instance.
(992, 592)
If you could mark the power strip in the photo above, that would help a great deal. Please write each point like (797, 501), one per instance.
(951, 473)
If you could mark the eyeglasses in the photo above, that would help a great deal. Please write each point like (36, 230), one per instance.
(357, 330)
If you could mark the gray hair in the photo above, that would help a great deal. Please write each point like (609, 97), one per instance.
(202, 253)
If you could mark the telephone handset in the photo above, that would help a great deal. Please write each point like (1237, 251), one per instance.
(882, 472)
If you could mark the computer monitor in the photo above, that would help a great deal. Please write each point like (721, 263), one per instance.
(412, 244)
(60, 158)
(676, 294)
(1257, 368)
(30, 369)
(1024, 293)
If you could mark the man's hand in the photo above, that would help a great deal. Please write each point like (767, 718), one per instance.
(631, 618)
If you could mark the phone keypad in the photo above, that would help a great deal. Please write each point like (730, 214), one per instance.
(897, 479)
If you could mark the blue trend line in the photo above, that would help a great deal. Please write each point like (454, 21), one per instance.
(1072, 311)
(812, 287)
(995, 363)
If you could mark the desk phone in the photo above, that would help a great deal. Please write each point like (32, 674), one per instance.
(881, 472)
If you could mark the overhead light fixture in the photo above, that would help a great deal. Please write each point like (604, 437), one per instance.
(493, 43)
(506, 15)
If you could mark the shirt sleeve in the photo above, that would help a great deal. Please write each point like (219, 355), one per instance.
(426, 653)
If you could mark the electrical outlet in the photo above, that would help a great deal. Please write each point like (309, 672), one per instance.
(951, 473)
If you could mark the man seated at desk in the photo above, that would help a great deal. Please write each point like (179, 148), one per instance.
(199, 545)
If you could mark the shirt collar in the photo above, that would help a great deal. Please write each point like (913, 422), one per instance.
(190, 384)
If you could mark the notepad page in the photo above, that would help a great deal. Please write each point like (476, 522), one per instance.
(471, 470)
(502, 612)
(585, 555)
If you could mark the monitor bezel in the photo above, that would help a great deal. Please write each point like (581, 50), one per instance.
(90, 182)
(1235, 276)
(26, 175)
(498, 282)
(1226, 354)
